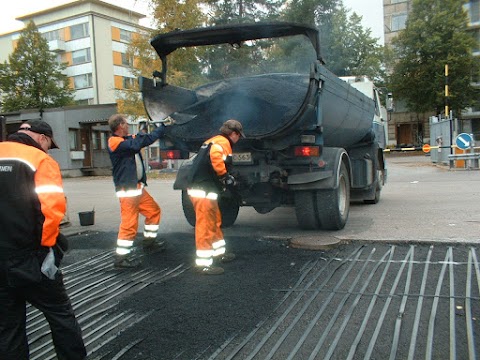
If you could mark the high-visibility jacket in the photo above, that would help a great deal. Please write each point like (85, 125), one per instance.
(128, 168)
(32, 201)
(207, 178)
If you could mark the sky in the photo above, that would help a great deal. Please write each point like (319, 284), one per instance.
(370, 10)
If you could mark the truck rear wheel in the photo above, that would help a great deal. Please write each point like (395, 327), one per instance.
(333, 205)
(305, 209)
(188, 209)
(228, 207)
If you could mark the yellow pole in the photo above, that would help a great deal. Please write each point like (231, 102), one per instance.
(446, 92)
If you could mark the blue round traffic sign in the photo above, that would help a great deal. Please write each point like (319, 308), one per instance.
(464, 141)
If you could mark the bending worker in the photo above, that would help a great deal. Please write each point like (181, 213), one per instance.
(32, 205)
(130, 181)
(210, 179)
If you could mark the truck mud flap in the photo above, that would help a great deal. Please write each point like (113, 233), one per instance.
(312, 181)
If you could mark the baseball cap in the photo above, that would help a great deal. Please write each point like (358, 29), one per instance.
(232, 125)
(40, 127)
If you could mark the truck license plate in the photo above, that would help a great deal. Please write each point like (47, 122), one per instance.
(242, 158)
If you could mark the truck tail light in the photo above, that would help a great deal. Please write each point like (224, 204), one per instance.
(170, 154)
(305, 151)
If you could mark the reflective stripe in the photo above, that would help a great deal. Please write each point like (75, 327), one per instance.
(203, 262)
(151, 227)
(218, 247)
(204, 253)
(29, 164)
(124, 243)
(122, 251)
(218, 243)
(204, 258)
(129, 193)
(48, 189)
(219, 251)
(150, 234)
(196, 193)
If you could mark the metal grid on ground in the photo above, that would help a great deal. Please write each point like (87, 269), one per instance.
(379, 301)
(95, 289)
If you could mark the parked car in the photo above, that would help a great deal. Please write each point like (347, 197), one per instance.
(157, 164)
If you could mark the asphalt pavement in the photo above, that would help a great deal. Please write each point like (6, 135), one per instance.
(399, 282)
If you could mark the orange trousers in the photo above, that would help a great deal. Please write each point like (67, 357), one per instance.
(208, 233)
(131, 207)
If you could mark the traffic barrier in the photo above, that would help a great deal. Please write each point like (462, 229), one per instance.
(425, 148)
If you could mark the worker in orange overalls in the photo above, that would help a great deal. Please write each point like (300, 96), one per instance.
(210, 179)
(130, 181)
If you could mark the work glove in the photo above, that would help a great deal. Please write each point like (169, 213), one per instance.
(228, 180)
(60, 248)
(48, 268)
(168, 121)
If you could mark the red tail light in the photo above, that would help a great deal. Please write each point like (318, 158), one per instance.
(304, 151)
(170, 154)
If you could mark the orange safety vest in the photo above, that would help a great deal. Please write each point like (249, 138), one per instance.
(32, 201)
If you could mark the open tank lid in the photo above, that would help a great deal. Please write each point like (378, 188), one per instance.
(165, 44)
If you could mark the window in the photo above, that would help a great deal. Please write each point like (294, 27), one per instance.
(104, 139)
(79, 31)
(84, 101)
(474, 11)
(96, 140)
(74, 139)
(398, 22)
(128, 83)
(476, 36)
(82, 81)
(125, 35)
(127, 60)
(52, 35)
(81, 56)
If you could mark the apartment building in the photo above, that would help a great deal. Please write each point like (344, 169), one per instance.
(92, 37)
(413, 129)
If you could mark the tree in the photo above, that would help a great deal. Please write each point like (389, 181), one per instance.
(435, 35)
(169, 15)
(347, 48)
(353, 51)
(32, 78)
(240, 11)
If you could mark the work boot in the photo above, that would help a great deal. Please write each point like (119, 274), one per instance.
(209, 270)
(227, 257)
(152, 245)
(126, 262)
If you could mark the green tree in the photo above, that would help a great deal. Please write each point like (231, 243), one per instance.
(353, 51)
(435, 35)
(240, 11)
(347, 48)
(32, 78)
(183, 68)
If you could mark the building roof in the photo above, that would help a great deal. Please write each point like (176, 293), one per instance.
(76, 3)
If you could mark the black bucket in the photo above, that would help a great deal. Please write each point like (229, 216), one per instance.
(86, 218)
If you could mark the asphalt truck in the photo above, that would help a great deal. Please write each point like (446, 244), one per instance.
(314, 141)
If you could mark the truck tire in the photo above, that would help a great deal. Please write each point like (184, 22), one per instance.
(305, 210)
(188, 209)
(333, 205)
(228, 207)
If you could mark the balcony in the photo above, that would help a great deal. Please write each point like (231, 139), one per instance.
(56, 45)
